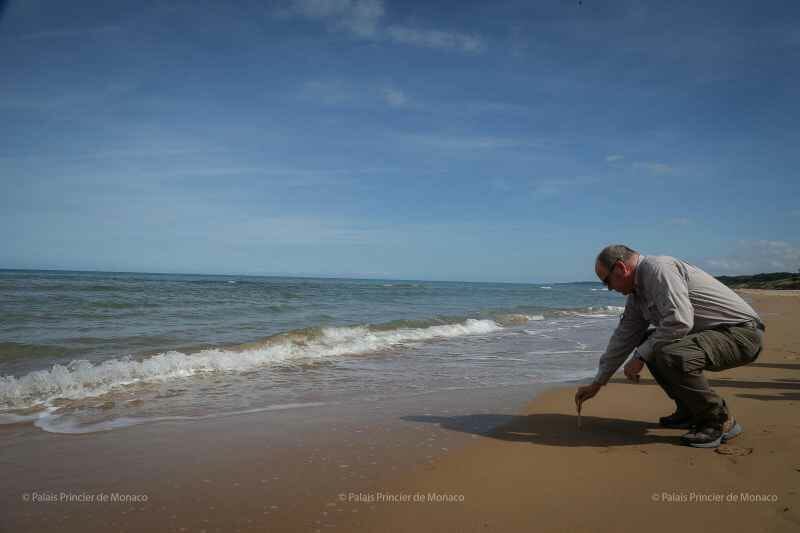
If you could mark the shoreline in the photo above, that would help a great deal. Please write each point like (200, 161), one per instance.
(281, 469)
(471, 460)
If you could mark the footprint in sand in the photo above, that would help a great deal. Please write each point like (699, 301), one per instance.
(733, 450)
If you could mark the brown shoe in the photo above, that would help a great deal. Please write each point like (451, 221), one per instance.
(678, 419)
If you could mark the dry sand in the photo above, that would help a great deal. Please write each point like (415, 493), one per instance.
(329, 469)
(620, 471)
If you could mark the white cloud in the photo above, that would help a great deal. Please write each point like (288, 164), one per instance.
(435, 39)
(444, 142)
(553, 186)
(754, 257)
(337, 92)
(363, 19)
(359, 17)
(394, 97)
(653, 168)
(614, 157)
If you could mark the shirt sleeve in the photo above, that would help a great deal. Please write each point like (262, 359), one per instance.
(629, 333)
(669, 292)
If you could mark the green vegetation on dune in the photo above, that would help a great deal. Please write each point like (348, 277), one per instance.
(775, 280)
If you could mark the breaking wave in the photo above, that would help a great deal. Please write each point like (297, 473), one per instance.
(82, 379)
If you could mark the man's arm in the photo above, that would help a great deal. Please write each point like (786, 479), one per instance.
(629, 333)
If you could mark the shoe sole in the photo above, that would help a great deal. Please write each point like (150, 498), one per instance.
(712, 444)
(735, 431)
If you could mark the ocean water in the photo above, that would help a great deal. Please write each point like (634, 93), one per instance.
(91, 351)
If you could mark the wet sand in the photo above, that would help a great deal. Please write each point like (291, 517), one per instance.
(286, 470)
(433, 463)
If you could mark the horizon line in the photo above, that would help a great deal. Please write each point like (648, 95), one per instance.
(297, 276)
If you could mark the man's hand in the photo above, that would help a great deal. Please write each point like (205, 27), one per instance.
(633, 368)
(586, 392)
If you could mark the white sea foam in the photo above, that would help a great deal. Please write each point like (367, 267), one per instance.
(82, 379)
(517, 318)
(608, 311)
(71, 426)
(11, 418)
(562, 352)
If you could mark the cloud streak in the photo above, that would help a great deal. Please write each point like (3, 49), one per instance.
(69, 33)
(337, 92)
(435, 39)
(365, 19)
(394, 97)
(470, 143)
(753, 257)
(653, 168)
(359, 17)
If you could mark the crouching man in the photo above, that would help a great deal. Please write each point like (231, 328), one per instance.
(700, 324)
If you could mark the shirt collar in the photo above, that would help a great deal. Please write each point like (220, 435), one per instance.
(636, 274)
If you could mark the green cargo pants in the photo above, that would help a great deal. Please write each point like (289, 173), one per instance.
(678, 367)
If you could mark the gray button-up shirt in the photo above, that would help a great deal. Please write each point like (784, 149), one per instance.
(678, 299)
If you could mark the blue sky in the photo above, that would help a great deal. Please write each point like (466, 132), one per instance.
(487, 141)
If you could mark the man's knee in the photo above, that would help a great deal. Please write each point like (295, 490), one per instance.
(664, 365)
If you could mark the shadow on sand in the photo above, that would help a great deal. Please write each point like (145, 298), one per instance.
(782, 366)
(786, 396)
(553, 429)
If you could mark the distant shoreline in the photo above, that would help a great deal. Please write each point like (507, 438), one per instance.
(770, 281)
(774, 281)
(293, 276)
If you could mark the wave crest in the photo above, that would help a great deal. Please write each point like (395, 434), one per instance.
(82, 379)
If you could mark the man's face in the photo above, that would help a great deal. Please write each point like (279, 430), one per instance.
(619, 278)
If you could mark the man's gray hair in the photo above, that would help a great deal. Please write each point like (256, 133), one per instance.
(613, 253)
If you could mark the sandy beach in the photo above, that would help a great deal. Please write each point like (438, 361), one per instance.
(406, 466)
(620, 471)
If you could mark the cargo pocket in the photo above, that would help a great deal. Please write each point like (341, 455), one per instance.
(749, 341)
(685, 354)
(721, 349)
(694, 361)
